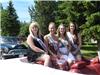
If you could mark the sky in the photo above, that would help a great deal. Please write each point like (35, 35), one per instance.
(21, 7)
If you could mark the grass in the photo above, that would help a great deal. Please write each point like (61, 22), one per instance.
(89, 51)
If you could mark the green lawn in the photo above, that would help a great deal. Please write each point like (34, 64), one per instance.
(89, 51)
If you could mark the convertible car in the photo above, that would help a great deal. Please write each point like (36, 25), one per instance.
(20, 66)
(17, 66)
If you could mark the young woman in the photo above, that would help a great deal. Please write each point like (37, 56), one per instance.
(75, 40)
(64, 46)
(37, 48)
(52, 40)
(52, 43)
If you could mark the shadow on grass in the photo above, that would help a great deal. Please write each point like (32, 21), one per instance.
(89, 48)
(89, 51)
(89, 55)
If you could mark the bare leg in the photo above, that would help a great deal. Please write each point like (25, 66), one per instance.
(45, 58)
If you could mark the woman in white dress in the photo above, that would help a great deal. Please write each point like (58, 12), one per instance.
(64, 46)
(75, 40)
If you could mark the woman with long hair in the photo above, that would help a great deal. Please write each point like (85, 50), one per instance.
(64, 46)
(37, 47)
(74, 39)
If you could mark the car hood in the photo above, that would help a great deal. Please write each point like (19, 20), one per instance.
(15, 66)
(8, 45)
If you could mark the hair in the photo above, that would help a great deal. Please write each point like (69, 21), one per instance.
(34, 24)
(58, 30)
(51, 23)
(75, 31)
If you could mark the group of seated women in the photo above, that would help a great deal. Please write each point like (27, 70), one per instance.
(59, 45)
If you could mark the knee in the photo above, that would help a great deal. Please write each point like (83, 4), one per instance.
(47, 57)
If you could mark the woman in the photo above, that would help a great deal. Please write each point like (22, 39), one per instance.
(37, 48)
(52, 43)
(64, 46)
(75, 40)
(52, 40)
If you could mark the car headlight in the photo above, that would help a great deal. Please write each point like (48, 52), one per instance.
(5, 50)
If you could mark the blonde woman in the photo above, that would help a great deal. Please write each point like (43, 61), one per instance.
(37, 48)
(64, 46)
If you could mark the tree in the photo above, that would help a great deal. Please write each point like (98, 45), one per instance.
(71, 11)
(9, 24)
(91, 26)
(85, 13)
(91, 29)
(24, 29)
(1, 7)
(4, 24)
(43, 12)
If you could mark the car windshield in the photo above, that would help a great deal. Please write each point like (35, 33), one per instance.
(8, 40)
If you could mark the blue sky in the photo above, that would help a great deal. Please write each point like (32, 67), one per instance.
(21, 7)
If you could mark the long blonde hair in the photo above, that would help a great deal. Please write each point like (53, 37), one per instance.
(58, 30)
(34, 24)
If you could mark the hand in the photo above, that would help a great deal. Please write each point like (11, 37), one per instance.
(55, 56)
(46, 52)
(42, 51)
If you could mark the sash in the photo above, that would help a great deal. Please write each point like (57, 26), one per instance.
(40, 42)
(51, 40)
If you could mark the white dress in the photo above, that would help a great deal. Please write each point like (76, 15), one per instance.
(63, 49)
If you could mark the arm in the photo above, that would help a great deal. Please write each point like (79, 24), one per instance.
(46, 46)
(79, 46)
(32, 46)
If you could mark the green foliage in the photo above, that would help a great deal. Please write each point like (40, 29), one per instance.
(9, 24)
(85, 13)
(4, 24)
(89, 51)
(71, 11)
(24, 29)
(43, 12)
(91, 29)
(91, 7)
(1, 7)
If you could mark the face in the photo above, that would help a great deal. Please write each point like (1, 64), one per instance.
(62, 29)
(34, 29)
(72, 27)
(52, 29)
